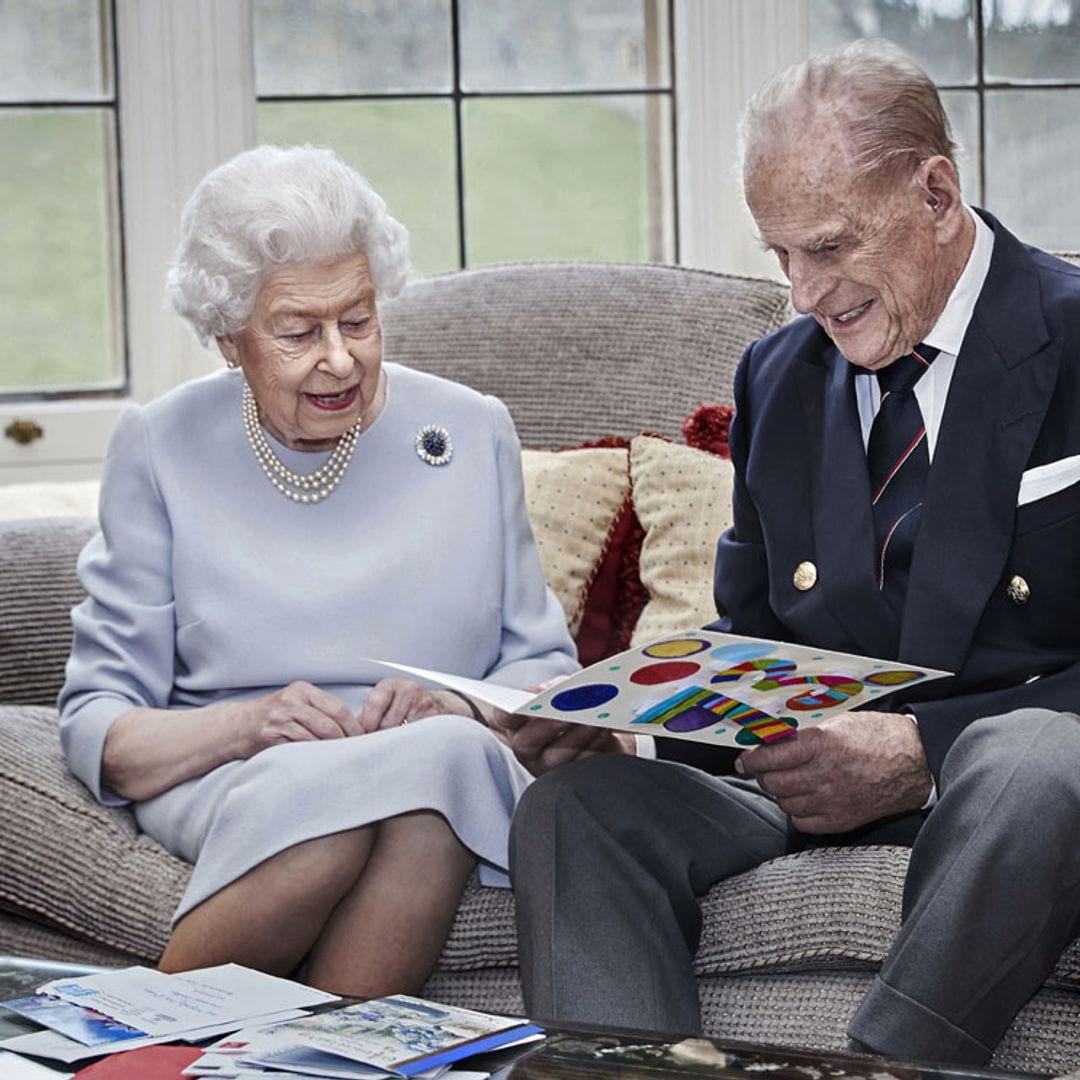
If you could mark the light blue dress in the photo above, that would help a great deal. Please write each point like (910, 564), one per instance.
(205, 584)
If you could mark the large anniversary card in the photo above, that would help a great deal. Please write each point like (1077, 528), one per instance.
(722, 688)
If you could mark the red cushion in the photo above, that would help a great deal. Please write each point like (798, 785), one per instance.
(706, 428)
(615, 596)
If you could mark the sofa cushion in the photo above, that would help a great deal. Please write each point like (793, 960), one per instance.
(574, 498)
(38, 587)
(69, 498)
(77, 865)
(579, 351)
(682, 497)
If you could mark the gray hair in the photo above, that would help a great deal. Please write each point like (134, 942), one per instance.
(891, 107)
(267, 207)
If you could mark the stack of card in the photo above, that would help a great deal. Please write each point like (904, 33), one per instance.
(87, 1016)
(392, 1037)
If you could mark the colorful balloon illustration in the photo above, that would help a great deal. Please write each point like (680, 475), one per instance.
(590, 696)
(665, 671)
(836, 690)
(772, 668)
(698, 707)
(668, 650)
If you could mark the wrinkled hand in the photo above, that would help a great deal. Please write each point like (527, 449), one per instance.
(541, 744)
(393, 702)
(852, 769)
(298, 712)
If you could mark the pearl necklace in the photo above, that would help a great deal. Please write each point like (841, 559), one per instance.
(304, 488)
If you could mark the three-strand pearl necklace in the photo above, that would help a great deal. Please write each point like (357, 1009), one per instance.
(304, 488)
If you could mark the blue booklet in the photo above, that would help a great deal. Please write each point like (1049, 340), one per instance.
(75, 1021)
(397, 1035)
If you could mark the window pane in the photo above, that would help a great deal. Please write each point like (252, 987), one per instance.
(352, 46)
(563, 44)
(405, 148)
(1032, 39)
(1032, 160)
(55, 50)
(59, 323)
(939, 34)
(568, 178)
(962, 108)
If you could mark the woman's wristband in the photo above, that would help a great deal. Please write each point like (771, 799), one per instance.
(478, 716)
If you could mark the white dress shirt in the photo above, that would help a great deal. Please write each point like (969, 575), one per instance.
(947, 335)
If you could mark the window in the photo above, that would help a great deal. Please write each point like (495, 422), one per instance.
(1009, 72)
(497, 130)
(61, 325)
(110, 111)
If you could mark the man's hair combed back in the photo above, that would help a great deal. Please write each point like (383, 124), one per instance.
(271, 206)
(892, 110)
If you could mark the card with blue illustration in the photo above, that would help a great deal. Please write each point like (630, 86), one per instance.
(722, 688)
(75, 1021)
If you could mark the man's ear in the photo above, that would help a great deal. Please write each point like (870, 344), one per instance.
(937, 181)
(939, 191)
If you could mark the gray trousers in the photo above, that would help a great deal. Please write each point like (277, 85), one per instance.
(610, 854)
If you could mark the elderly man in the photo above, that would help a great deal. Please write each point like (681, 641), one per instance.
(907, 461)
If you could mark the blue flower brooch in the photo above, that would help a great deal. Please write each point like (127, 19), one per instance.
(434, 445)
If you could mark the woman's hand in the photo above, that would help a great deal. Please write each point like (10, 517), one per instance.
(541, 744)
(393, 702)
(147, 751)
(298, 712)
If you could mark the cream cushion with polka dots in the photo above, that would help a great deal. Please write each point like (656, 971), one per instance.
(573, 498)
(682, 497)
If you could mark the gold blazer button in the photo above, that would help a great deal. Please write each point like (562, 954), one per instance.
(1018, 590)
(805, 576)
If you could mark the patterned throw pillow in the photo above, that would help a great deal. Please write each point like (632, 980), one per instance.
(682, 497)
(575, 498)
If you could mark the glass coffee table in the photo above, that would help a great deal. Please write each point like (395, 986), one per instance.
(20, 976)
(579, 1054)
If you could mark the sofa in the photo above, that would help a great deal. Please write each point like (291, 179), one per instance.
(618, 378)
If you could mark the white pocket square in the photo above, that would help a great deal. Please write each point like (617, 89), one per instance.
(1047, 479)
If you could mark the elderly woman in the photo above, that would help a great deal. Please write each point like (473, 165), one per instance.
(266, 531)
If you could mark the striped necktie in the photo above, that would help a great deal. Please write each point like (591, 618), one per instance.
(899, 464)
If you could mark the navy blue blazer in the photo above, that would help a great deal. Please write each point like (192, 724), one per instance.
(802, 494)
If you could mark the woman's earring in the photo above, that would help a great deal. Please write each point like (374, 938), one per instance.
(232, 364)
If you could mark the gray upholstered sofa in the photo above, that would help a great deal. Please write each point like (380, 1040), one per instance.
(578, 353)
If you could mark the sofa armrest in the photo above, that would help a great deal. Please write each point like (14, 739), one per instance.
(70, 863)
(38, 588)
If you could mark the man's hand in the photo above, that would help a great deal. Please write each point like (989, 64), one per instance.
(854, 768)
(542, 744)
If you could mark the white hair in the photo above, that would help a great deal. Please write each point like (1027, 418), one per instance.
(892, 111)
(267, 207)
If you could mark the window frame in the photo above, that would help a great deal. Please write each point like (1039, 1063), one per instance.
(185, 86)
(458, 98)
(186, 89)
(726, 50)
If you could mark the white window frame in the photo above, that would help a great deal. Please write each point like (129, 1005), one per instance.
(186, 91)
(724, 52)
